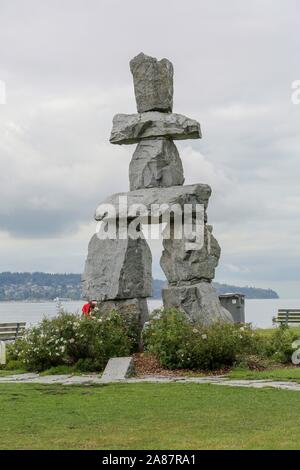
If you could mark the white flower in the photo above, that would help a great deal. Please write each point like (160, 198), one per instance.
(99, 320)
(204, 336)
(195, 330)
(72, 340)
(242, 328)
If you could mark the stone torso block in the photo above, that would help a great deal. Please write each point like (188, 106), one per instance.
(155, 163)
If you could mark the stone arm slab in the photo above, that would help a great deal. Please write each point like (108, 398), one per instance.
(132, 128)
(145, 198)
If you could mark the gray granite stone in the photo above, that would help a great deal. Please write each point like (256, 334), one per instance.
(145, 198)
(130, 309)
(131, 128)
(155, 163)
(153, 83)
(183, 266)
(118, 368)
(199, 302)
(117, 269)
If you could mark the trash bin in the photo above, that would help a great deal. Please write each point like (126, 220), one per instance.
(235, 304)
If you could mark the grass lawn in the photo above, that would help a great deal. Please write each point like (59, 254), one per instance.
(284, 374)
(5, 372)
(59, 370)
(267, 332)
(147, 416)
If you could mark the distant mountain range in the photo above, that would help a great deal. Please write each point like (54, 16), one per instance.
(45, 286)
(249, 292)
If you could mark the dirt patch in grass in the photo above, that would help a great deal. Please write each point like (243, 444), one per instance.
(147, 364)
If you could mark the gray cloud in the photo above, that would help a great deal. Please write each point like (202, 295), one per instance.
(65, 64)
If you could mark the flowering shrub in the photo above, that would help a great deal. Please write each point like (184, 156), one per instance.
(279, 345)
(68, 339)
(178, 343)
(168, 336)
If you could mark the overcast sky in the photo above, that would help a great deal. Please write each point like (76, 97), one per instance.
(65, 65)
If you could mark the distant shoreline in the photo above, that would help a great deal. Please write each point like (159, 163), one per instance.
(46, 287)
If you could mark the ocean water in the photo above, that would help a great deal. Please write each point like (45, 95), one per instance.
(258, 312)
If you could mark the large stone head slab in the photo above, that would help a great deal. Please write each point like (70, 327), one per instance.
(153, 83)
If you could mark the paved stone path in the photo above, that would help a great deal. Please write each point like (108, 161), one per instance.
(96, 379)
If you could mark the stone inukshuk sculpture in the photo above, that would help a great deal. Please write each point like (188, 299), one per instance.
(118, 271)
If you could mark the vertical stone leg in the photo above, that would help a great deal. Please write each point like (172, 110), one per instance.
(189, 273)
(134, 311)
(183, 265)
(117, 269)
(118, 275)
(200, 302)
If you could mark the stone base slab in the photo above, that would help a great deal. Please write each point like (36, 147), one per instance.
(129, 308)
(199, 302)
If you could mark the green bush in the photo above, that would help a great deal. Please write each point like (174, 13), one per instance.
(178, 343)
(168, 336)
(279, 344)
(68, 339)
(14, 365)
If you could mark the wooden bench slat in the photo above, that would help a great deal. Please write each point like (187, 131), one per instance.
(294, 317)
(289, 310)
(288, 315)
(10, 338)
(289, 321)
(10, 331)
(5, 328)
(15, 328)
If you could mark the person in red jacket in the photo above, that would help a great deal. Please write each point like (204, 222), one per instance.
(88, 308)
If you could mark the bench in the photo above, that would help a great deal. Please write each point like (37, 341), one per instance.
(289, 315)
(9, 332)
